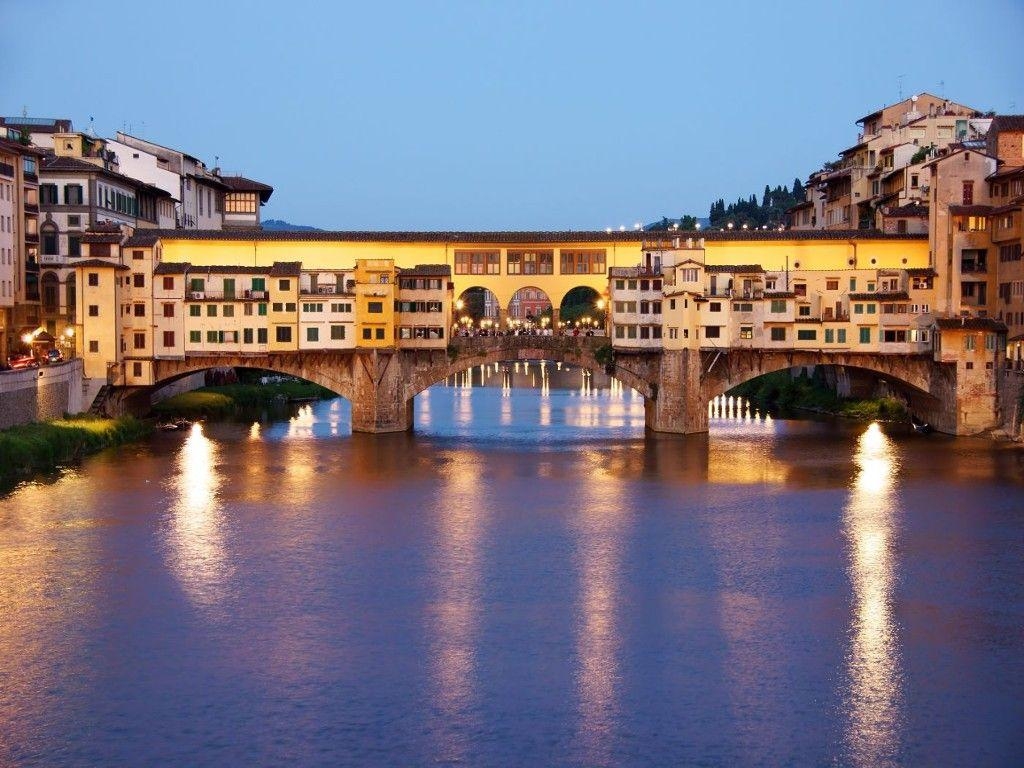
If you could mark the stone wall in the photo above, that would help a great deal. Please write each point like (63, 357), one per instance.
(1011, 389)
(38, 394)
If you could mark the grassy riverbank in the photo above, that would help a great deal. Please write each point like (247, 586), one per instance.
(228, 398)
(781, 392)
(32, 448)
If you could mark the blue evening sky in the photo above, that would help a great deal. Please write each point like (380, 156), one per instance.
(515, 115)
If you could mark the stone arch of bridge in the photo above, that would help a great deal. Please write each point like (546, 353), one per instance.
(579, 352)
(912, 376)
(332, 372)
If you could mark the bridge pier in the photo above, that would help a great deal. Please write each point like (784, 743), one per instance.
(378, 399)
(677, 407)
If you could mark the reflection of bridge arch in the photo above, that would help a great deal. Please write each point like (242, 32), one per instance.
(640, 374)
(914, 375)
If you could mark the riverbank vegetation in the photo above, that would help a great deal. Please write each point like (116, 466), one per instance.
(780, 391)
(31, 448)
(226, 399)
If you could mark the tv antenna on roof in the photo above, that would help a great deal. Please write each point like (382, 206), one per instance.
(899, 79)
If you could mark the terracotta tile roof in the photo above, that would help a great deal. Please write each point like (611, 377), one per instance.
(21, 149)
(921, 272)
(970, 324)
(242, 184)
(286, 269)
(141, 239)
(779, 295)
(910, 209)
(735, 269)
(1007, 123)
(99, 263)
(1006, 173)
(970, 210)
(170, 268)
(427, 270)
(881, 296)
(566, 236)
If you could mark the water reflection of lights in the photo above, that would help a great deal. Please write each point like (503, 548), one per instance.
(600, 533)
(454, 622)
(196, 536)
(254, 431)
(874, 673)
(301, 424)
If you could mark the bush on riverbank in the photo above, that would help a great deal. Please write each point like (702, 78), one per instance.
(31, 448)
(781, 391)
(222, 400)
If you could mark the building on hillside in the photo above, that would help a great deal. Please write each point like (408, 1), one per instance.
(19, 242)
(911, 219)
(959, 206)
(886, 168)
(243, 200)
(81, 195)
(199, 191)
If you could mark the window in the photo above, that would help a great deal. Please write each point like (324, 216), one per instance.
(583, 263)
(139, 340)
(261, 335)
(367, 333)
(229, 287)
(211, 310)
(778, 334)
(714, 306)
(858, 309)
(194, 310)
(530, 262)
(94, 310)
(341, 307)
(247, 335)
(830, 335)
(478, 262)
(94, 346)
(894, 336)
(841, 335)
(379, 333)
(831, 285)
(261, 308)
(136, 369)
(778, 305)
(137, 255)
(212, 337)
(168, 283)
(313, 334)
(671, 303)
(74, 246)
(259, 283)
(94, 278)
(865, 335)
(140, 310)
(804, 310)
(284, 285)
(968, 192)
(870, 308)
(712, 332)
(138, 280)
(806, 334)
(229, 310)
(375, 307)
(914, 179)
(197, 284)
(746, 331)
(853, 283)
(278, 306)
(283, 334)
(289, 306)
(337, 332)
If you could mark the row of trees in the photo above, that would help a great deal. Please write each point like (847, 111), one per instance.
(770, 211)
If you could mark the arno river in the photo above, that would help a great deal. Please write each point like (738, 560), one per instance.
(525, 580)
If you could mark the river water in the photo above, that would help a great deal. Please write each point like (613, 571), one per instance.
(525, 580)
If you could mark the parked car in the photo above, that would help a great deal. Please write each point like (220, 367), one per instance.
(54, 356)
(18, 362)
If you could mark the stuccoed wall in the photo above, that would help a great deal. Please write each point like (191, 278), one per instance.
(38, 394)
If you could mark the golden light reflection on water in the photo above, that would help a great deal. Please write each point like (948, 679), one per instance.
(600, 530)
(196, 536)
(453, 624)
(875, 691)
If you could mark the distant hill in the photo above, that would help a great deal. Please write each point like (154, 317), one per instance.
(276, 225)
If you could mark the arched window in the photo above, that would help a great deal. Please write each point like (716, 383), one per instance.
(50, 286)
(49, 240)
